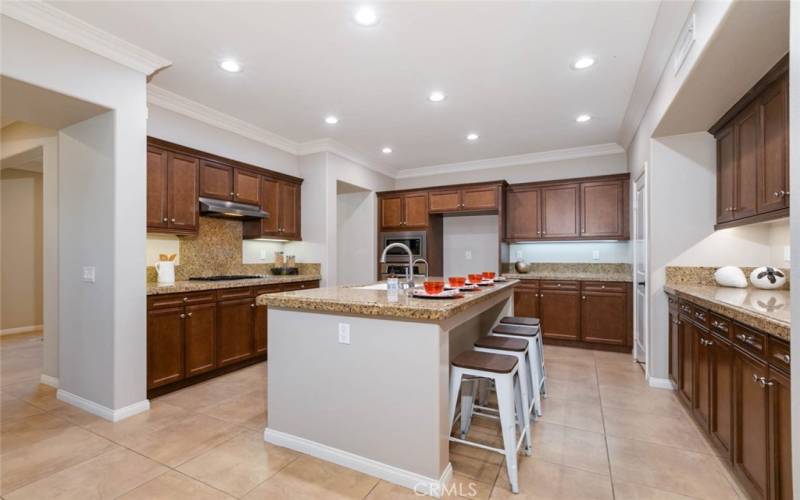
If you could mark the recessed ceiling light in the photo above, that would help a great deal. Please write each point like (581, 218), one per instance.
(366, 16)
(386, 150)
(472, 136)
(437, 96)
(583, 63)
(331, 120)
(583, 118)
(230, 66)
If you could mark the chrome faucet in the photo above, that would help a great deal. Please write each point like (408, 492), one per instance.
(410, 270)
(427, 269)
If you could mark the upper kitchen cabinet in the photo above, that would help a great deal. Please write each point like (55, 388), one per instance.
(281, 200)
(172, 180)
(753, 153)
(223, 182)
(467, 198)
(404, 211)
(588, 208)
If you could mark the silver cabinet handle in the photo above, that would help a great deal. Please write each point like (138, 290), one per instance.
(186, 299)
(165, 219)
(583, 297)
(252, 305)
(183, 315)
(780, 194)
(188, 315)
(747, 339)
(173, 220)
(783, 357)
(232, 193)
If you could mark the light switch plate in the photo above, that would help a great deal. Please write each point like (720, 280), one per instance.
(595, 254)
(89, 274)
(468, 255)
(519, 254)
(787, 253)
(344, 333)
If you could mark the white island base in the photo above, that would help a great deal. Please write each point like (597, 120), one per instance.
(378, 405)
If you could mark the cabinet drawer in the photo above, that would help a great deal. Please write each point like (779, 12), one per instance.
(529, 284)
(235, 293)
(685, 308)
(604, 286)
(303, 285)
(559, 285)
(261, 290)
(779, 353)
(751, 340)
(719, 325)
(180, 299)
(700, 316)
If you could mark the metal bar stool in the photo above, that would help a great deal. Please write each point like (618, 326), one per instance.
(532, 322)
(535, 361)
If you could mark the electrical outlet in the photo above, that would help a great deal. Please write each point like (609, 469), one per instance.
(262, 254)
(595, 254)
(89, 274)
(787, 253)
(519, 254)
(344, 333)
(468, 255)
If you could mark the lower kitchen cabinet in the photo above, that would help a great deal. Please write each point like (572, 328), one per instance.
(560, 304)
(605, 313)
(526, 300)
(200, 338)
(735, 380)
(235, 330)
(165, 346)
(674, 337)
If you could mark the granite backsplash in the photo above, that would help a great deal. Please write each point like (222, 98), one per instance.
(694, 275)
(571, 267)
(217, 249)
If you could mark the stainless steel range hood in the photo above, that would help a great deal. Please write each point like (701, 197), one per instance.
(230, 210)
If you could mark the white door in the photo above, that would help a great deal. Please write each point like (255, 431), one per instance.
(640, 267)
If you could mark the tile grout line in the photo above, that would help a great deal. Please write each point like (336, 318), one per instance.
(605, 435)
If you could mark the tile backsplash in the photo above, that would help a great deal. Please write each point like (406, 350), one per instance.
(574, 267)
(217, 249)
(696, 275)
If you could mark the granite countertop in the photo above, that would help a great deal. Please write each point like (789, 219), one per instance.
(199, 286)
(355, 300)
(571, 275)
(765, 310)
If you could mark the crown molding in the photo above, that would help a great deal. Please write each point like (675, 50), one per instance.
(512, 161)
(329, 145)
(55, 22)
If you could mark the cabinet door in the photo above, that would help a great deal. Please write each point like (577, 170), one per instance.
(602, 209)
(415, 211)
(603, 317)
(674, 348)
(746, 152)
(260, 329)
(479, 198)
(391, 212)
(780, 435)
(164, 346)
(560, 212)
(526, 301)
(235, 330)
(183, 206)
(522, 214)
(157, 197)
(726, 175)
(687, 342)
(751, 417)
(269, 203)
(445, 201)
(289, 210)
(701, 402)
(721, 425)
(773, 172)
(216, 181)
(201, 338)
(560, 314)
(246, 187)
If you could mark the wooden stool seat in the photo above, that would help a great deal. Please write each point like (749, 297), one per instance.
(495, 363)
(520, 331)
(502, 343)
(519, 320)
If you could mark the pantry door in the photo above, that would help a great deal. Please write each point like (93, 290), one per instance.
(640, 267)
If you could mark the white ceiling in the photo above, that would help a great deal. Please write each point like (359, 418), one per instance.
(504, 66)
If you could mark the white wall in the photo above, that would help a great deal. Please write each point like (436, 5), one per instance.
(476, 234)
(545, 171)
(794, 179)
(583, 251)
(110, 372)
(355, 249)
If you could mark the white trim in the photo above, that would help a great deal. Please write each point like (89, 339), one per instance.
(512, 161)
(21, 329)
(53, 21)
(48, 380)
(408, 479)
(100, 410)
(661, 383)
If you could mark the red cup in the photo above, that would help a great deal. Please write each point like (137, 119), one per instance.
(488, 275)
(475, 278)
(456, 281)
(434, 287)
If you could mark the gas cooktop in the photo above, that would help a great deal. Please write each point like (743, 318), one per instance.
(224, 277)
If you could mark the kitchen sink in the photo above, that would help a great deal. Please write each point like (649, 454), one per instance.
(379, 286)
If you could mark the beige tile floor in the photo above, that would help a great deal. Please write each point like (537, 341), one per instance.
(604, 435)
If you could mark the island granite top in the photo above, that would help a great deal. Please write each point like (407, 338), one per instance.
(199, 286)
(360, 301)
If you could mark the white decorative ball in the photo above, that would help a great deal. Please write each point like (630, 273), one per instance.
(730, 276)
(767, 278)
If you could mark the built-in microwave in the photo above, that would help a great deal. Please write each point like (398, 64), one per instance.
(415, 240)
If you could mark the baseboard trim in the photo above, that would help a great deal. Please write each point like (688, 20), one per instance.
(661, 383)
(48, 380)
(419, 483)
(100, 410)
(21, 329)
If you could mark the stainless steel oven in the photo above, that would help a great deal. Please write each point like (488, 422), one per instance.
(415, 240)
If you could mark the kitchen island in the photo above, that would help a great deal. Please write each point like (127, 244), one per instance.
(359, 378)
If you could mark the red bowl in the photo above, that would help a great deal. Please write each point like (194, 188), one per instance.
(475, 278)
(434, 287)
(456, 281)
(488, 275)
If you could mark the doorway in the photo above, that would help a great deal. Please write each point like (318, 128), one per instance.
(355, 238)
(640, 253)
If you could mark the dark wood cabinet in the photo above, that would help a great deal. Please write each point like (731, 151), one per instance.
(246, 187)
(780, 425)
(560, 305)
(604, 209)
(445, 200)
(701, 394)
(260, 316)
(560, 211)
(751, 439)
(216, 180)
(404, 211)
(468, 198)
(674, 329)
(753, 153)
(281, 200)
(523, 218)
(526, 299)
(686, 345)
(165, 360)
(289, 210)
(605, 313)
(481, 198)
(235, 329)
(721, 396)
(200, 338)
(172, 181)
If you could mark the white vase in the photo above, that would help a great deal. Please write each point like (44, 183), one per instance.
(767, 278)
(166, 272)
(730, 276)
